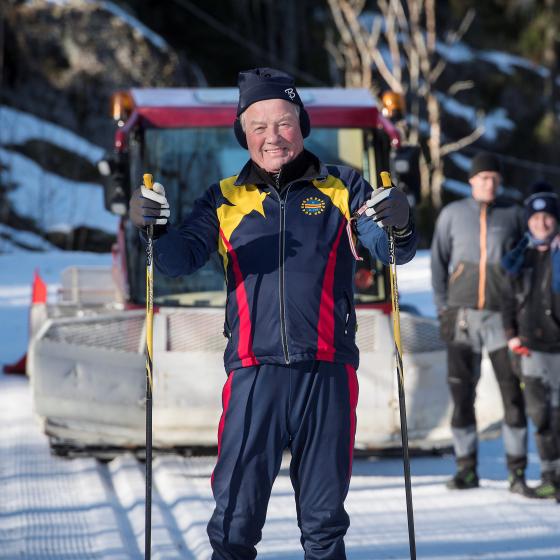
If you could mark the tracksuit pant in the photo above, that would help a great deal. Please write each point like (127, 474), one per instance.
(308, 408)
(474, 330)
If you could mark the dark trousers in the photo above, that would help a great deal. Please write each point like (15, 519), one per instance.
(308, 408)
(463, 366)
(545, 417)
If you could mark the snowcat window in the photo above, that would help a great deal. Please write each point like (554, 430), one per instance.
(186, 162)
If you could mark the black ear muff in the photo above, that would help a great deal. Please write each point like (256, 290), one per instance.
(239, 134)
(304, 122)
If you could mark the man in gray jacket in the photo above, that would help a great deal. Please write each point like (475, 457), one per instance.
(471, 237)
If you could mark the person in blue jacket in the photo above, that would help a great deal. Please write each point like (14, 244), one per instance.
(285, 227)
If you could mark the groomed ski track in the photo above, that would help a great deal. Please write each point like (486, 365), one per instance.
(81, 508)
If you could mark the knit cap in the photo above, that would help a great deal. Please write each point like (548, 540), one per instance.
(484, 161)
(259, 84)
(542, 199)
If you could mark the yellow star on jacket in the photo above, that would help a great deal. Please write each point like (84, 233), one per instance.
(244, 199)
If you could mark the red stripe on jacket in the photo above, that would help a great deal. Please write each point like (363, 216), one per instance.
(245, 344)
(325, 327)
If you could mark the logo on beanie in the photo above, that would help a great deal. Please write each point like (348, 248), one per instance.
(539, 204)
(291, 93)
(313, 206)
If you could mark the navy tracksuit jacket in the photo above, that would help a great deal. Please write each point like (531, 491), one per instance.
(291, 352)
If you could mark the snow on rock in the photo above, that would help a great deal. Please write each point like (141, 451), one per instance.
(122, 14)
(455, 53)
(12, 240)
(507, 63)
(18, 127)
(493, 122)
(53, 202)
(457, 187)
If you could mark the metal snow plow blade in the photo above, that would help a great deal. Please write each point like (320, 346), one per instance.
(88, 381)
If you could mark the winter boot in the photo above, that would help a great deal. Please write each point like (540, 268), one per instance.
(517, 484)
(464, 479)
(548, 488)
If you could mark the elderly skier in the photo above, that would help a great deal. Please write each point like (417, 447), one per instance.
(285, 228)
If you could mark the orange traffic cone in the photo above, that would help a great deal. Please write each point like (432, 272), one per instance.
(39, 289)
(37, 316)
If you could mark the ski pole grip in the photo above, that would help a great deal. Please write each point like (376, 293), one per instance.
(386, 179)
(148, 181)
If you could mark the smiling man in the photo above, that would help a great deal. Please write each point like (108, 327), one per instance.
(471, 237)
(273, 134)
(280, 226)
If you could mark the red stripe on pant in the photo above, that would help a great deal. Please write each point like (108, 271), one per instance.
(244, 344)
(226, 395)
(353, 391)
(325, 326)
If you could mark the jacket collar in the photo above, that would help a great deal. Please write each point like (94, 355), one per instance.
(305, 167)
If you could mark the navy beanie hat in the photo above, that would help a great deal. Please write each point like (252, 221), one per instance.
(259, 84)
(543, 199)
(265, 83)
(483, 161)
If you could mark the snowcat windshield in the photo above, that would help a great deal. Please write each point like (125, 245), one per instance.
(186, 162)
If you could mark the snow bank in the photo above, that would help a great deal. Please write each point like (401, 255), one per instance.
(18, 127)
(55, 203)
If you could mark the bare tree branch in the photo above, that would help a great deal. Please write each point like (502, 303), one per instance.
(463, 85)
(375, 33)
(391, 34)
(430, 10)
(336, 56)
(336, 12)
(456, 36)
(350, 51)
(417, 37)
(463, 142)
(410, 33)
(401, 16)
(453, 38)
(357, 31)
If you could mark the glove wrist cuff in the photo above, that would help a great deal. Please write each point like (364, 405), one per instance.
(402, 234)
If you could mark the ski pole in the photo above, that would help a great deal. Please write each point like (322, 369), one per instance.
(148, 183)
(386, 182)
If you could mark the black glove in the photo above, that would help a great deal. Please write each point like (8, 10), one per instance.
(149, 206)
(389, 207)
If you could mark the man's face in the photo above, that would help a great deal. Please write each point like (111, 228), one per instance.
(485, 185)
(542, 225)
(273, 133)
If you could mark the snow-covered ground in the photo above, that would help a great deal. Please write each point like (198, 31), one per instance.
(77, 509)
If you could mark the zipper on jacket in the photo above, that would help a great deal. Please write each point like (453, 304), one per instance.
(483, 256)
(282, 287)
